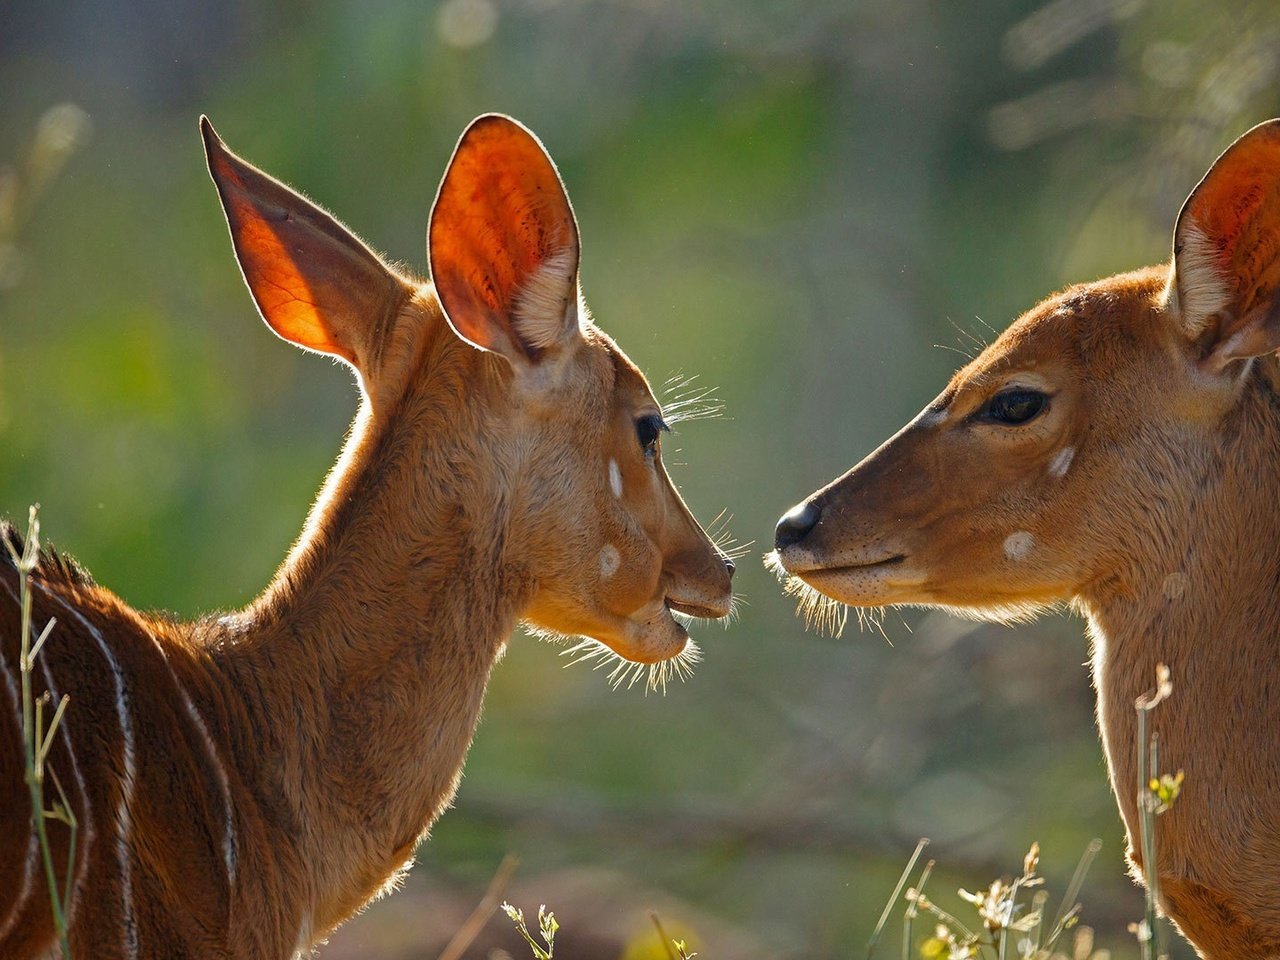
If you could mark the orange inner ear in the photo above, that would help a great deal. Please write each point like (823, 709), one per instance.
(501, 214)
(282, 293)
(1237, 206)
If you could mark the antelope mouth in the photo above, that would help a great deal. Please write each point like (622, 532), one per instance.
(658, 633)
(868, 581)
(699, 611)
(650, 635)
(805, 570)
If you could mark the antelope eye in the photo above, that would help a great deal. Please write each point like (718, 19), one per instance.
(1015, 407)
(648, 430)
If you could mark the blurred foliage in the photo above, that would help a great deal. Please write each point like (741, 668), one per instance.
(795, 201)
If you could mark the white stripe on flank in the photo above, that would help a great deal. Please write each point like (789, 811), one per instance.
(84, 841)
(128, 781)
(229, 849)
(28, 864)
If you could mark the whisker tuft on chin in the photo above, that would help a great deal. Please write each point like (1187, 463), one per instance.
(821, 614)
(627, 673)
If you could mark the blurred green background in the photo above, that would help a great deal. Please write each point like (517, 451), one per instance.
(818, 208)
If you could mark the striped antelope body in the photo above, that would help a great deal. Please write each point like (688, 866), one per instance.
(244, 783)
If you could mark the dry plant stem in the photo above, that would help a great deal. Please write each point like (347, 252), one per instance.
(1002, 934)
(893, 899)
(912, 912)
(1069, 907)
(469, 930)
(1037, 904)
(36, 740)
(662, 935)
(1003, 920)
(949, 919)
(547, 927)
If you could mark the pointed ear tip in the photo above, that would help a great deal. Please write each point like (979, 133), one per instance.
(214, 148)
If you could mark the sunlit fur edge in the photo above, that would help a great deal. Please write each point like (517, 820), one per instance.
(624, 673)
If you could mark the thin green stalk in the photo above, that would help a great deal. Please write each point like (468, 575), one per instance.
(897, 892)
(69, 818)
(37, 740)
(1147, 820)
(1150, 939)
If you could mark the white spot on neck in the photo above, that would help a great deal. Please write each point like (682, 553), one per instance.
(1175, 585)
(1018, 545)
(615, 478)
(1061, 462)
(609, 560)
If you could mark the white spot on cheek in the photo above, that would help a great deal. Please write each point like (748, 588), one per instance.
(1018, 545)
(1061, 463)
(609, 559)
(615, 478)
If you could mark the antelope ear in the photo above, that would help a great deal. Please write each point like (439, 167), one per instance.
(1226, 251)
(314, 282)
(503, 243)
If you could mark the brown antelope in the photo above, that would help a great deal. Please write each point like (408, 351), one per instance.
(1118, 449)
(246, 782)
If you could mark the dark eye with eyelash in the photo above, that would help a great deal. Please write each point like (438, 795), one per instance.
(648, 430)
(1015, 407)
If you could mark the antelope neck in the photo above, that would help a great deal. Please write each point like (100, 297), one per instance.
(362, 667)
(1205, 602)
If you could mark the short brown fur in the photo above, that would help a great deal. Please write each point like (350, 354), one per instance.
(1146, 492)
(245, 783)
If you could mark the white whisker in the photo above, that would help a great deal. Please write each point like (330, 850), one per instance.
(624, 673)
(821, 613)
(686, 400)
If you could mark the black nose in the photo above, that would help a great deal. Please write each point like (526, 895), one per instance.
(796, 524)
(730, 566)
